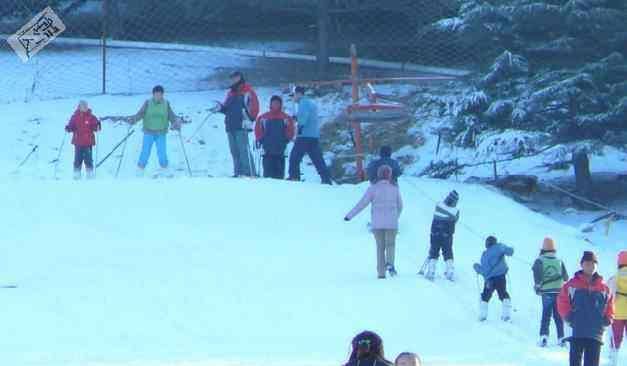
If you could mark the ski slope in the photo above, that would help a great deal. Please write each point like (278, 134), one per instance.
(252, 272)
(219, 271)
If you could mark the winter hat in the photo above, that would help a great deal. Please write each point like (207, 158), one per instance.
(622, 258)
(548, 245)
(298, 90)
(490, 241)
(368, 343)
(385, 151)
(589, 257)
(236, 74)
(157, 89)
(452, 198)
(276, 98)
(384, 172)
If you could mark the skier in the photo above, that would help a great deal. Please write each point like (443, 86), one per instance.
(83, 125)
(157, 116)
(308, 138)
(387, 206)
(493, 268)
(273, 131)
(587, 305)
(385, 158)
(442, 229)
(240, 108)
(408, 359)
(367, 350)
(549, 275)
(618, 286)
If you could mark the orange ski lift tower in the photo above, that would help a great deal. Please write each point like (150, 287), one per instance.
(374, 110)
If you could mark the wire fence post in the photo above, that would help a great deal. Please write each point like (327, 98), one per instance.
(105, 16)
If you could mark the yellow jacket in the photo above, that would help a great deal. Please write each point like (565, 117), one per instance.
(618, 285)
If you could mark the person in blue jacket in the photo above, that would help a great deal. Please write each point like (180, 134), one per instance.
(493, 268)
(308, 138)
(385, 158)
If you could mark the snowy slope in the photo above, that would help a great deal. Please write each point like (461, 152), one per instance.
(227, 272)
(221, 271)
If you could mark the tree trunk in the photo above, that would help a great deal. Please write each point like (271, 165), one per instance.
(323, 36)
(583, 178)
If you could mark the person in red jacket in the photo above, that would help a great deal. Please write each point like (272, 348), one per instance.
(273, 131)
(587, 305)
(83, 125)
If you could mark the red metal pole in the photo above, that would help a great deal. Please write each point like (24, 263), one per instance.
(355, 124)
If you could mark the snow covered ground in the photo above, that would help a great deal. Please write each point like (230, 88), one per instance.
(217, 271)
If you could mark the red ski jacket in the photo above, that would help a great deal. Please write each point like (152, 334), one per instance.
(588, 306)
(83, 125)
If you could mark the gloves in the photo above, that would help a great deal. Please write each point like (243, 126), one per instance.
(606, 322)
(68, 129)
(347, 219)
(537, 289)
(176, 126)
(216, 108)
(477, 268)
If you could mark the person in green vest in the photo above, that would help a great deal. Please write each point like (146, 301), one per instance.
(549, 275)
(157, 116)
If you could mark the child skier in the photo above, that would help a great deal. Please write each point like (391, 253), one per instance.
(273, 131)
(83, 125)
(587, 305)
(549, 275)
(618, 286)
(493, 268)
(442, 229)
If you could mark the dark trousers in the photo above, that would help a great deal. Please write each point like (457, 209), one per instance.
(83, 154)
(498, 284)
(274, 166)
(441, 242)
(311, 147)
(549, 309)
(586, 349)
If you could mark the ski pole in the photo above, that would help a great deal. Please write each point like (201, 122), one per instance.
(200, 127)
(58, 159)
(189, 168)
(117, 170)
(115, 148)
(96, 152)
(26, 158)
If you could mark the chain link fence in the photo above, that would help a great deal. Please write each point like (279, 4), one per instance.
(124, 46)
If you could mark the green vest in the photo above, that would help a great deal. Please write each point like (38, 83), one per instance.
(551, 273)
(156, 117)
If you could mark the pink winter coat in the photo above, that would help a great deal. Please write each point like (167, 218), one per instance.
(387, 205)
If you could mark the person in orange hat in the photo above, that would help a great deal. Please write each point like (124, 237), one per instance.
(549, 275)
(618, 285)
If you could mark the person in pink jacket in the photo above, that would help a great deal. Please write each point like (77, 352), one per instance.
(387, 205)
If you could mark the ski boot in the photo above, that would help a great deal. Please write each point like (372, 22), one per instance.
(543, 342)
(507, 310)
(391, 270)
(90, 174)
(562, 342)
(430, 275)
(450, 270)
(77, 175)
(483, 311)
(140, 172)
